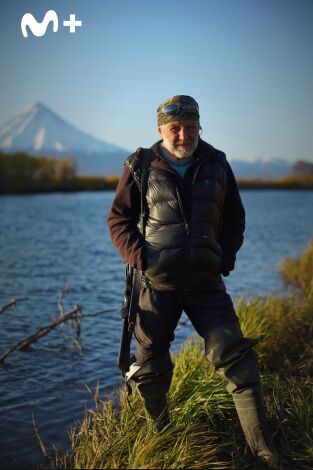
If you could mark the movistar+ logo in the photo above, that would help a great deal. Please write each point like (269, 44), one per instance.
(39, 28)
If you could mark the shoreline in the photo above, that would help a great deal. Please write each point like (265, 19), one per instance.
(65, 189)
(21, 173)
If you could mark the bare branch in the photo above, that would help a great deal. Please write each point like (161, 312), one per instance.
(77, 345)
(74, 315)
(22, 345)
(40, 442)
(12, 304)
(101, 312)
(77, 321)
(65, 289)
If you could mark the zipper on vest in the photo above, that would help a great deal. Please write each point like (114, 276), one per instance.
(187, 228)
(180, 202)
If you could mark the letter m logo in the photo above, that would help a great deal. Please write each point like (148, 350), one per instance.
(39, 29)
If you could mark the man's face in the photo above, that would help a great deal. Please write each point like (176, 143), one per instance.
(180, 137)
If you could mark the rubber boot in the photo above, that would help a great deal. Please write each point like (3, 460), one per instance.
(235, 360)
(251, 413)
(157, 411)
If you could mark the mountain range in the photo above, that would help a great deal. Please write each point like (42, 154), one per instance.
(40, 131)
(261, 168)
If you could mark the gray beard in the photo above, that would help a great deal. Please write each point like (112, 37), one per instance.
(180, 152)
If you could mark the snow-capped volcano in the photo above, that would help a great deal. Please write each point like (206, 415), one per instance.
(38, 130)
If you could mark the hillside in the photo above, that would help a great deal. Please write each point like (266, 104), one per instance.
(40, 131)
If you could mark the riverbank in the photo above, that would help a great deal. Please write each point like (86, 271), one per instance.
(109, 183)
(205, 432)
(23, 174)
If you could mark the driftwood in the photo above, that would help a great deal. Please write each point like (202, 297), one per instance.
(22, 345)
(12, 304)
(75, 314)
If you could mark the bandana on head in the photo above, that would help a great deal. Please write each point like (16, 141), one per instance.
(182, 114)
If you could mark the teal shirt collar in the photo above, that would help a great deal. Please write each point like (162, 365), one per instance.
(180, 166)
(175, 163)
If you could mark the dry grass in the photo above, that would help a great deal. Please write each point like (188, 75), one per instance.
(204, 431)
(299, 272)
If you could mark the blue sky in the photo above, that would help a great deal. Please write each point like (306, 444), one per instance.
(248, 63)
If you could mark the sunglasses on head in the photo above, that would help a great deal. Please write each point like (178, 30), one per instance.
(172, 109)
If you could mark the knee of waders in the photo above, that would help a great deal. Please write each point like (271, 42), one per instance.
(233, 357)
(153, 378)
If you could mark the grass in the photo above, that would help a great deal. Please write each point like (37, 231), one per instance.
(298, 272)
(287, 182)
(204, 432)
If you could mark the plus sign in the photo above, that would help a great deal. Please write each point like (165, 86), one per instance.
(72, 23)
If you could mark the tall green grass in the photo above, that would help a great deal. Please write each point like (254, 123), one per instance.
(299, 272)
(204, 431)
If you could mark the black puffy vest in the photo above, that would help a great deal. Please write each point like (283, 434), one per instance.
(184, 219)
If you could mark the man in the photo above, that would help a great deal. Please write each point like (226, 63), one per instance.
(192, 229)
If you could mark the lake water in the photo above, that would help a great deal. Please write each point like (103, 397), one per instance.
(48, 241)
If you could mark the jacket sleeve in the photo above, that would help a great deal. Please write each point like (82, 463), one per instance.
(123, 218)
(233, 226)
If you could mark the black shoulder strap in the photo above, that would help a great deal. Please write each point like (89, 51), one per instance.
(147, 156)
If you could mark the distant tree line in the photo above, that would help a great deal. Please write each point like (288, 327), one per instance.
(300, 177)
(22, 173)
(302, 168)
